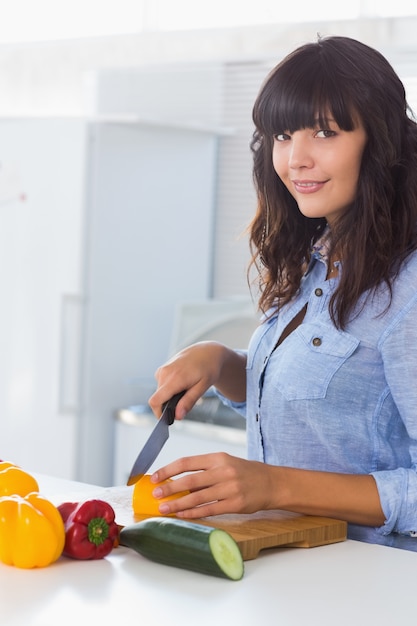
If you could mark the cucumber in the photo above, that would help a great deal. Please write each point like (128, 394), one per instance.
(186, 545)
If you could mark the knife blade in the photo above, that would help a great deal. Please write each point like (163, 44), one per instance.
(156, 440)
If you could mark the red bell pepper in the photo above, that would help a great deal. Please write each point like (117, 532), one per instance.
(90, 529)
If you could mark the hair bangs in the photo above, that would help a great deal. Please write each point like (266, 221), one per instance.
(307, 98)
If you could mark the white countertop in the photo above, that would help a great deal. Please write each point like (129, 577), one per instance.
(344, 584)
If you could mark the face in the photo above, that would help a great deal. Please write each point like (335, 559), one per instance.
(320, 167)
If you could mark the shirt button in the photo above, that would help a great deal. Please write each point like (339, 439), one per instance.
(318, 292)
(316, 342)
(257, 417)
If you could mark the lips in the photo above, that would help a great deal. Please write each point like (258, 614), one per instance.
(308, 186)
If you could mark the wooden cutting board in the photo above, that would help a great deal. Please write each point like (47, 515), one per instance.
(253, 532)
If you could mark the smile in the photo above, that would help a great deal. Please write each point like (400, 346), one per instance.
(308, 186)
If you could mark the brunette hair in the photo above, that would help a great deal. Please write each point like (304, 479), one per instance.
(349, 80)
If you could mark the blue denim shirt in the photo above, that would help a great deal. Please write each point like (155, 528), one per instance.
(342, 401)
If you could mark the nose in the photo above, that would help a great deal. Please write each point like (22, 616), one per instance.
(300, 154)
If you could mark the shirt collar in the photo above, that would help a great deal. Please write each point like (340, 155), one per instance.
(321, 248)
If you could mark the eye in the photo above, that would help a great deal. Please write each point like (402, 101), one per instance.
(282, 137)
(325, 133)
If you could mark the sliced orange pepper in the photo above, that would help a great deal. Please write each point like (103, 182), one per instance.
(15, 481)
(143, 501)
(32, 532)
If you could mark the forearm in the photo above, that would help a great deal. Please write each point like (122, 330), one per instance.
(232, 379)
(353, 498)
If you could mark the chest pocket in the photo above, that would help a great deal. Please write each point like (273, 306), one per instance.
(305, 363)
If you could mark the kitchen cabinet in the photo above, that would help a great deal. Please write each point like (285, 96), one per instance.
(148, 247)
(42, 176)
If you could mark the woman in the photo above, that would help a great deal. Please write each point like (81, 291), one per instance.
(328, 384)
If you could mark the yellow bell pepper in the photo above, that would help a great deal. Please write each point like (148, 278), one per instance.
(14, 480)
(32, 532)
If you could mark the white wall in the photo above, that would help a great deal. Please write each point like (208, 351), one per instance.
(48, 78)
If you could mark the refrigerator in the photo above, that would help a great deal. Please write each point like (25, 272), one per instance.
(106, 225)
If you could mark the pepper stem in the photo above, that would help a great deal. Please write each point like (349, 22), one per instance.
(98, 530)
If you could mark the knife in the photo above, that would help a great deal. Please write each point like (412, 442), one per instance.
(156, 440)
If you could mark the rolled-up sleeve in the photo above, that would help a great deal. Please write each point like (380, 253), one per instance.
(398, 494)
(239, 407)
(398, 487)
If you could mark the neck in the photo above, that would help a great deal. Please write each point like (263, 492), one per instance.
(332, 270)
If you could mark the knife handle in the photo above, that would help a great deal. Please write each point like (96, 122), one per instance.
(170, 405)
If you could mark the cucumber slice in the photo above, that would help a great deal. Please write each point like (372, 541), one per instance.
(186, 545)
(226, 553)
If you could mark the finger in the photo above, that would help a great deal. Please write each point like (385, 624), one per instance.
(202, 487)
(200, 504)
(185, 503)
(184, 405)
(189, 465)
(191, 502)
(206, 510)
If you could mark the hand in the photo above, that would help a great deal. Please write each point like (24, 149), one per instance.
(219, 483)
(196, 369)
